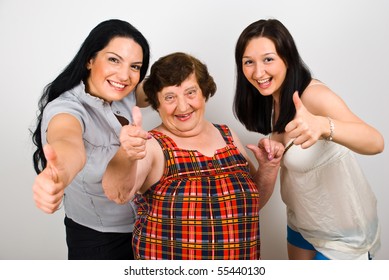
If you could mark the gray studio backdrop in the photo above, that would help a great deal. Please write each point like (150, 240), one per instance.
(345, 43)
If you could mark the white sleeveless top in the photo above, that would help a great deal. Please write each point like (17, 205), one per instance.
(329, 200)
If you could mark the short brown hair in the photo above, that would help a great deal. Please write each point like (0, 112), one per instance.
(172, 70)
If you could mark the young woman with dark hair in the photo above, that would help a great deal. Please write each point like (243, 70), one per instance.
(331, 209)
(81, 114)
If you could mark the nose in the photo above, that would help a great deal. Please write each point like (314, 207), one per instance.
(123, 73)
(259, 71)
(182, 104)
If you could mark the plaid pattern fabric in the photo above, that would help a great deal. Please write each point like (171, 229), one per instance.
(202, 208)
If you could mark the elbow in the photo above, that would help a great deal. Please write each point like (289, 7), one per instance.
(382, 145)
(379, 145)
(374, 146)
(120, 201)
(114, 194)
(116, 197)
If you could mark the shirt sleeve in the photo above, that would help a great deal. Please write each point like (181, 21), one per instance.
(59, 106)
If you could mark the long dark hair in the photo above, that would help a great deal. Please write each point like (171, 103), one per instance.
(76, 71)
(251, 108)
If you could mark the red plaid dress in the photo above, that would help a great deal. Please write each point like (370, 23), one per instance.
(202, 208)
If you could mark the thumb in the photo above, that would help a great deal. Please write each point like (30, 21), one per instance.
(137, 116)
(52, 161)
(298, 104)
(254, 149)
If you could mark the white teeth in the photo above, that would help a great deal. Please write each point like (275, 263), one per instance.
(263, 81)
(116, 84)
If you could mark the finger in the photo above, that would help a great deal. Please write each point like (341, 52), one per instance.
(290, 126)
(253, 148)
(298, 104)
(46, 198)
(52, 161)
(260, 151)
(266, 143)
(48, 208)
(270, 151)
(133, 135)
(137, 116)
(279, 151)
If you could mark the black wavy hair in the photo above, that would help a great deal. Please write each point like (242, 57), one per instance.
(76, 71)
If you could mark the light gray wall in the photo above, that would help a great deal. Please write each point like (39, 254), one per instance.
(345, 43)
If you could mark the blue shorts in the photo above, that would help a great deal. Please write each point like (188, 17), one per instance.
(296, 239)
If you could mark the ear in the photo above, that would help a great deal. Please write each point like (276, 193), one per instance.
(88, 65)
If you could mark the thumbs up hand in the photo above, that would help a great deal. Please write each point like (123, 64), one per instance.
(305, 127)
(133, 138)
(48, 187)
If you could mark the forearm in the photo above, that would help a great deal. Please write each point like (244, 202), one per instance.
(64, 136)
(72, 157)
(357, 136)
(266, 178)
(119, 178)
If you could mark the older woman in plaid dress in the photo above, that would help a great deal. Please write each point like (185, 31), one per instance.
(198, 194)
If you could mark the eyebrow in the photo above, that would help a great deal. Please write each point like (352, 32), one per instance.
(273, 53)
(121, 58)
(115, 54)
(185, 90)
(191, 87)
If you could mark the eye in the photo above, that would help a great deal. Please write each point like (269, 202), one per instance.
(268, 59)
(247, 62)
(169, 98)
(113, 59)
(192, 93)
(136, 67)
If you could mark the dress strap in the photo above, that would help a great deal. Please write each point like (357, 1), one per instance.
(164, 141)
(225, 132)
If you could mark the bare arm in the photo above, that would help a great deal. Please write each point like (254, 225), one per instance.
(65, 154)
(128, 169)
(311, 122)
(119, 180)
(268, 154)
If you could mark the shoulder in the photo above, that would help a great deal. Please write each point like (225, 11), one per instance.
(68, 101)
(316, 87)
(65, 106)
(319, 99)
(154, 153)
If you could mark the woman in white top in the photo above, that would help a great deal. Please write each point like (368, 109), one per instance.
(331, 210)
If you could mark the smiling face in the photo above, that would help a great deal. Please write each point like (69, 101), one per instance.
(115, 70)
(262, 66)
(182, 107)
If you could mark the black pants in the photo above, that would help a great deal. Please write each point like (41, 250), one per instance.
(88, 244)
